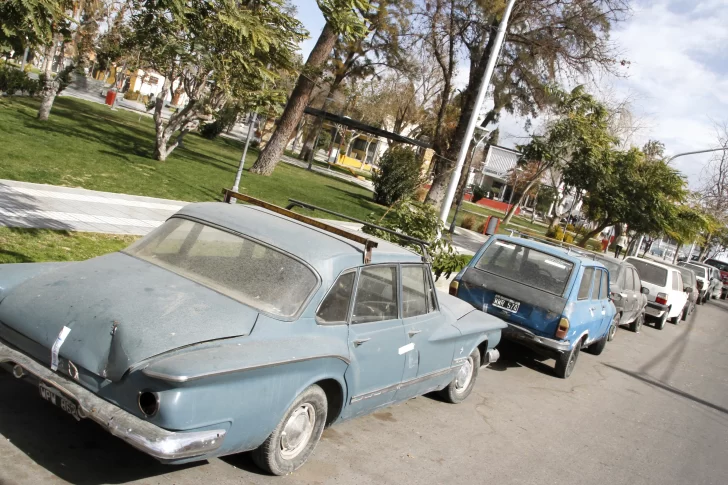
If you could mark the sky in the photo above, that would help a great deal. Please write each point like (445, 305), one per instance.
(676, 82)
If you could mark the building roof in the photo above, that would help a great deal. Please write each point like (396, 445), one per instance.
(499, 161)
(328, 253)
(358, 125)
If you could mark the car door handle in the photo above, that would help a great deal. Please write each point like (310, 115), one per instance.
(412, 333)
(360, 341)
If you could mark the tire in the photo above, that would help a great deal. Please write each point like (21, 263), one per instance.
(462, 385)
(613, 327)
(566, 362)
(684, 315)
(636, 325)
(598, 347)
(676, 319)
(307, 417)
(660, 323)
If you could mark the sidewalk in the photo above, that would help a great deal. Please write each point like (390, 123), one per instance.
(40, 206)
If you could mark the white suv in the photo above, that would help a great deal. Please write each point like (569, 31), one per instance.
(708, 284)
(667, 297)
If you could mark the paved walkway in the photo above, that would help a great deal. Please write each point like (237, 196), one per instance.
(29, 205)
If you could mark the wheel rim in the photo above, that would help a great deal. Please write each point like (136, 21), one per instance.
(298, 431)
(572, 360)
(613, 328)
(640, 320)
(464, 376)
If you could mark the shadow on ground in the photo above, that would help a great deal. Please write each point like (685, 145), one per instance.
(514, 355)
(78, 452)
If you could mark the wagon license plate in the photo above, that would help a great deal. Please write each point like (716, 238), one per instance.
(54, 397)
(506, 304)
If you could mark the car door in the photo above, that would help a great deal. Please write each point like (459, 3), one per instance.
(584, 316)
(601, 304)
(426, 355)
(678, 294)
(626, 290)
(376, 340)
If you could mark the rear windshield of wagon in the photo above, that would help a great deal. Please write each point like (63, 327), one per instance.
(243, 269)
(527, 266)
(649, 272)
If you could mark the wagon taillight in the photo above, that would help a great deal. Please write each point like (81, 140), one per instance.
(454, 285)
(563, 328)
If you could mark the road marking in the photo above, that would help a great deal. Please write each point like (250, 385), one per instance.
(406, 348)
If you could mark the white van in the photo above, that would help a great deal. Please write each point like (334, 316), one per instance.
(667, 297)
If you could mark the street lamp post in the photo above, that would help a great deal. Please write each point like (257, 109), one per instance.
(696, 153)
(239, 173)
(462, 195)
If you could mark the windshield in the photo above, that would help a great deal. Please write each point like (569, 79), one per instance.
(699, 270)
(717, 264)
(612, 266)
(526, 266)
(649, 272)
(688, 275)
(252, 273)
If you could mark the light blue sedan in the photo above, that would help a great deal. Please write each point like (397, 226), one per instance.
(238, 327)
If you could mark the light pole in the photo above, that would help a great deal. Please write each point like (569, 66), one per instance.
(485, 82)
(312, 155)
(239, 173)
(696, 152)
(462, 195)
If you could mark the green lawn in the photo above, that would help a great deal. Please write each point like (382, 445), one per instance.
(481, 213)
(87, 145)
(37, 245)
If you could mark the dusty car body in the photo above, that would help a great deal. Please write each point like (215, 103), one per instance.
(554, 301)
(626, 292)
(233, 328)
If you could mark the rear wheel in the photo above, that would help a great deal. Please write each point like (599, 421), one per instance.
(613, 328)
(462, 385)
(294, 439)
(684, 315)
(636, 326)
(566, 361)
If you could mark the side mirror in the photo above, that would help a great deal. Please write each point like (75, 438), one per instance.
(645, 291)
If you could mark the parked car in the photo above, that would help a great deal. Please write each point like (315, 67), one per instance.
(627, 293)
(667, 297)
(721, 266)
(702, 276)
(691, 287)
(716, 279)
(710, 276)
(553, 300)
(233, 328)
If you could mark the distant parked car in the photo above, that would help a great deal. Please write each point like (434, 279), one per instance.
(667, 298)
(691, 287)
(627, 293)
(554, 301)
(234, 327)
(721, 266)
(702, 275)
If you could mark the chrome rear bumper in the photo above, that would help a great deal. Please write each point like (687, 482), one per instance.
(142, 435)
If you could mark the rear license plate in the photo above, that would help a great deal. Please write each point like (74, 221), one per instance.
(54, 397)
(506, 304)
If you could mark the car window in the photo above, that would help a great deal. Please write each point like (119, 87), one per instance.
(604, 287)
(687, 276)
(414, 296)
(699, 270)
(628, 282)
(585, 285)
(676, 281)
(335, 306)
(431, 298)
(649, 272)
(526, 266)
(252, 273)
(636, 281)
(376, 295)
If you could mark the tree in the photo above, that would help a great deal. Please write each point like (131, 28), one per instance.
(687, 225)
(398, 175)
(215, 50)
(545, 40)
(713, 194)
(343, 17)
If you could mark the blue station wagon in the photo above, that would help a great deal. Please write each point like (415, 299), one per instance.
(553, 300)
(238, 327)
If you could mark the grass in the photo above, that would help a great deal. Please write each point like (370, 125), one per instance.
(38, 245)
(87, 145)
(481, 213)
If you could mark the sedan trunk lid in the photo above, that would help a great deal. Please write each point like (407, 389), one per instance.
(120, 311)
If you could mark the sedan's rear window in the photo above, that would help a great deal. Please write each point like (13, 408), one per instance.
(650, 272)
(527, 266)
(699, 270)
(250, 272)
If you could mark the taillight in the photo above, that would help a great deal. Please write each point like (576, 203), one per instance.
(454, 287)
(661, 298)
(563, 328)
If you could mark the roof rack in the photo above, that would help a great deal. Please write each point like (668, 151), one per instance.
(369, 244)
(404, 237)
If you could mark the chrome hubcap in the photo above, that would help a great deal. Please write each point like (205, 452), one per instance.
(297, 431)
(465, 374)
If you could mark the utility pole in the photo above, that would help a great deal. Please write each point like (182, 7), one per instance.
(484, 83)
(239, 173)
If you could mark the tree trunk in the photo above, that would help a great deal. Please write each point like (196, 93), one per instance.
(271, 154)
(512, 209)
(50, 88)
(447, 165)
(592, 233)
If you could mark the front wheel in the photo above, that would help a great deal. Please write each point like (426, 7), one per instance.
(636, 325)
(294, 439)
(462, 385)
(566, 361)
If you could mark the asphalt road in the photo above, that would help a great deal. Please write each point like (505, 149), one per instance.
(652, 409)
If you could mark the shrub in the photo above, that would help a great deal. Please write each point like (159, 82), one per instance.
(13, 80)
(481, 226)
(570, 227)
(398, 176)
(478, 193)
(421, 220)
(324, 140)
(468, 222)
(131, 95)
(569, 238)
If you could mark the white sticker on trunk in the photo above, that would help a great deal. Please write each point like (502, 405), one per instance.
(57, 347)
(554, 263)
(406, 348)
